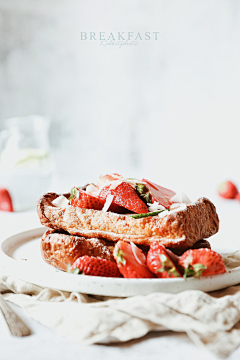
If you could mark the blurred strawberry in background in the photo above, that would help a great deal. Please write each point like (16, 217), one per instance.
(5, 200)
(228, 190)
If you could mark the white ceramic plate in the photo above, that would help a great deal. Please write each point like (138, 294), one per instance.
(20, 255)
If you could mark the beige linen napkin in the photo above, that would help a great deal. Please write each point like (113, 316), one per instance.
(210, 320)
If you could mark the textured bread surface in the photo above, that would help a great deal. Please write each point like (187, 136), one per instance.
(60, 249)
(180, 229)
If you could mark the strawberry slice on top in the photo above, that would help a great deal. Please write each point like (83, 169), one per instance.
(160, 194)
(126, 196)
(80, 198)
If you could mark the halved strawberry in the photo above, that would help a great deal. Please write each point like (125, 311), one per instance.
(160, 261)
(201, 262)
(86, 201)
(131, 261)
(126, 196)
(159, 193)
(79, 198)
(89, 265)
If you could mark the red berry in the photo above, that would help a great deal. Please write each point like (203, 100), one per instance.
(160, 261)
(203, 262)
(237, 196)
(160, 194)
(87, 201)
(227, 190)
(126, 196)
(5, 200)
(131, 261)
(93, 266)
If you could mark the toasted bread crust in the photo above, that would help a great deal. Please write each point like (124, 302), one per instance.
(60, 249)
(180, 229)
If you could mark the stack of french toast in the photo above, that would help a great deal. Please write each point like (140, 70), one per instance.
(90, 220)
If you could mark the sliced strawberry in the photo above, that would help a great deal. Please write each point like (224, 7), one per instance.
(159, 193)
(89, 265)
(86, 201)
(5, 200)
(201, 262)
(131, 261)
(126, 196)
(160, 261)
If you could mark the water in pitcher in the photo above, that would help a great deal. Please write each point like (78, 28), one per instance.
(25, 160)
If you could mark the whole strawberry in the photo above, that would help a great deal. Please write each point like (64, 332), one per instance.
(89, 265)
(5, 200)
(160, 261)
(201, 262)
(131, 261)
(227, 190)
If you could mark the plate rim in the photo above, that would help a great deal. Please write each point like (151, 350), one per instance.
(29, 235)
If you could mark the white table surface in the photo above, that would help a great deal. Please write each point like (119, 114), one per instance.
(45, 344)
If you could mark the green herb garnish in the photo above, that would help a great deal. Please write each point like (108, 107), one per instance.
(144, 193)
(153, 213)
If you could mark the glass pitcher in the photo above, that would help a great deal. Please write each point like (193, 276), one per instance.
(25, 163)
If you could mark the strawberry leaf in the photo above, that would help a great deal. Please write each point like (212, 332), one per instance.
(167, 266)
(174, 271)
(199, 269)
(68, 268)
(195, 270)
(74, 194)
(144, 193)
(75, 271)
(119, 255)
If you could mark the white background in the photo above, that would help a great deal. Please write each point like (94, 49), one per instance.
(166, 109)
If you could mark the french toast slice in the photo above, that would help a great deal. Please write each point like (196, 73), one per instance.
(59, 248)
(181, 229)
